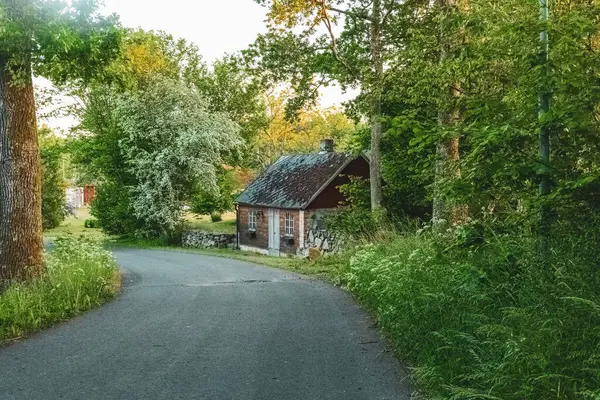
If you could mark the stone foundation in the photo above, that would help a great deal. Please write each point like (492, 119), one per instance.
(204, 240)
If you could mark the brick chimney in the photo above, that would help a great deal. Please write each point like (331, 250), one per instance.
(327, 146)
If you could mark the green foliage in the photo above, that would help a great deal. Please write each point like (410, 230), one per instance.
(113, 209)
(53, 193)
(206, 201)
(216, 217)
(228, 88)
(91, 223)
(81, 275)
(487, 320)
(171, 144)
(59, 40)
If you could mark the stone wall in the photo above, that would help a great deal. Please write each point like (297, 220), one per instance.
(200, 239)
(321, 241)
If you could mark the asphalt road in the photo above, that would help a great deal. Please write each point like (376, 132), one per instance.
(195, 327)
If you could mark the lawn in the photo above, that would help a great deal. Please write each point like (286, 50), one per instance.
(203, 223)
(74, 226)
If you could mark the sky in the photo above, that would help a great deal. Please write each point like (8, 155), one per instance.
(217, 27)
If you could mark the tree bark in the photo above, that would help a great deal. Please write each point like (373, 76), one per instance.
(375, 117)
(447, 151)
(21, 243)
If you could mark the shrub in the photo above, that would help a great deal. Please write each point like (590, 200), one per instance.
(53, 194)
(81, 275)
(218, 200)
(487, 321)
(113, 209)
(91, 223)
(216, 217)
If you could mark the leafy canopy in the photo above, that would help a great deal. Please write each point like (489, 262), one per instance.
(57, 39)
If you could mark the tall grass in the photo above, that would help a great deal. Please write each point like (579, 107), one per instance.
(81, 275)
(488, 321)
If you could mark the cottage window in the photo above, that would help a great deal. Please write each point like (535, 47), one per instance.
(289, 225)
(252, 221)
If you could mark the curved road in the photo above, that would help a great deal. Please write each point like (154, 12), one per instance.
(195, 327)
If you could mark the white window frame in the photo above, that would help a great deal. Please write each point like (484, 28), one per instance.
(289, 224)
(252, 221)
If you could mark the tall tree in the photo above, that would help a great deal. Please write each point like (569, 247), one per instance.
(54, 39)
(447, 149)
(354, 57)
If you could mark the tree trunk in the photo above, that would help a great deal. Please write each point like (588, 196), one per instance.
(21, 243)
(447, 152)
(375, 117)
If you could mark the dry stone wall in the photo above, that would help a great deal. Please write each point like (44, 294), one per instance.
(200, 239)
(323, 241)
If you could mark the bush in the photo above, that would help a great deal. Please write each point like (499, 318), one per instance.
(53, 194)
(112, 207)
(91, 223)
(216, 217)
(206, 201)
(488, 321)
(81, 275)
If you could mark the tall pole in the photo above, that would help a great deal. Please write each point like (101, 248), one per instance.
(544, 108)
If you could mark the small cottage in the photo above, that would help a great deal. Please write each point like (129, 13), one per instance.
(282, 208)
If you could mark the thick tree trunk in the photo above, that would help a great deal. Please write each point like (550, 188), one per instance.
(375, 117)
(21, 243)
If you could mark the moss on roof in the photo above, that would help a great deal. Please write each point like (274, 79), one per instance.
(293, 181)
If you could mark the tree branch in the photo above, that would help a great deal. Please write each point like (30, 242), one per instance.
(349, 13)
(334, 48)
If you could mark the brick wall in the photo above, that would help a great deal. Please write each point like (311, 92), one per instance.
(261, 237)
(286, 247)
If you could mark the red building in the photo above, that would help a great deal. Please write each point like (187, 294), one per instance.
(280, 211)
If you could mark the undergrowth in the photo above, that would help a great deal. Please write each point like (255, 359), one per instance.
(80, 275)
(491, 321)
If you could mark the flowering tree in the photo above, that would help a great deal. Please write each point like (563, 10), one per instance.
(172, 144)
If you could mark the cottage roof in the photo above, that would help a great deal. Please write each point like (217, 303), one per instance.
(294, 181)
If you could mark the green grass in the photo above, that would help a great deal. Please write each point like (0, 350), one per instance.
(486, 321)
(203, 223)
(80, 275)
(74, 226)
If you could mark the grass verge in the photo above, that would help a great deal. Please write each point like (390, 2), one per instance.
(490, 321)
(80, 275)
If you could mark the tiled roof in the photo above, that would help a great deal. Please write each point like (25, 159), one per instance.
(293, 181)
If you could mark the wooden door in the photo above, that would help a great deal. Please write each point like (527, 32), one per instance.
(274, 232)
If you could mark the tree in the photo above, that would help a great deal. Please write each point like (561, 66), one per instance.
(171, 145)
(96, 143)
(216, 200)
(53, 191)
(355, 57)
(447, 149)
(59, 41)
(302, 134)
(229, 88)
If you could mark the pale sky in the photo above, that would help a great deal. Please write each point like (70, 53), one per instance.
(217, 27)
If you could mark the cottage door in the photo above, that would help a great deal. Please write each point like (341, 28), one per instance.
(274, 236)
